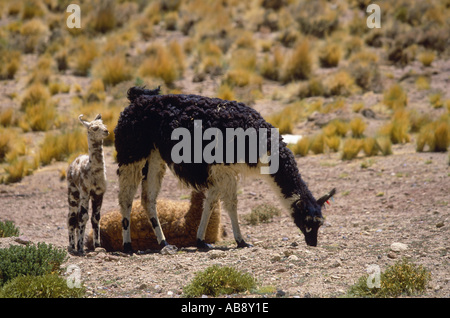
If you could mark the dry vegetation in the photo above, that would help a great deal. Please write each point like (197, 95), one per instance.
(284, 52)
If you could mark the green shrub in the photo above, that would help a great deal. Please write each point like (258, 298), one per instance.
(46, 286)
(216, 280)
(34, 260)
(262, 213)
(7, 229)
(402, 278)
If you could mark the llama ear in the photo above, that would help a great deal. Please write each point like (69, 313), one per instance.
(326, 197)
(99, 116)
(84, 122)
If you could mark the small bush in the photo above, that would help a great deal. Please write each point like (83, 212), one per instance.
(8, 228)
(357, 126)
(340, 83)
(35, 94)
(333, 143)
(40, 117)
(16, 170)
(216, 280)
(299, 65)
(385, 145)
(317, 144)
(60, 146)
(104, 18)
(161, 63)
(370, 146)
(9, 63)
(113, 69)
(435, 135)
(32, 35)
(46, 286)
(314, 87)
(395, 97)
(34, 260)
(330, 55)
(262, 213)
(436, 101)
(426, 58)
(402, 278)
(351, 148)
(85, 53)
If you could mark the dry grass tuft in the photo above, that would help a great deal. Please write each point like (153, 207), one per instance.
(299, 64)
(351, 148)
(357, 126)
(113, 69)
(330, 55)
(395, 97)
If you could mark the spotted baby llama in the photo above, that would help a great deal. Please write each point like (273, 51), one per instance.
(144, 137)
(86, 180)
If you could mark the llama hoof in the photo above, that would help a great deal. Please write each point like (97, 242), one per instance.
(169, 250)
(202, 245)
(243, 244)
(127, 249)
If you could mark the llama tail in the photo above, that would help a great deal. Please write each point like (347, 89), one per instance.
(136, 91)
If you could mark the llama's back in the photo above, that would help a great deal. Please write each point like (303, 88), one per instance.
(149, 121)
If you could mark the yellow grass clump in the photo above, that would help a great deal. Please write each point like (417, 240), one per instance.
(302, 146)
(9, 63)
(113, 69)
(351, 148)
(163, 62)
(60, 146)
(435, 136)
(330, 55)
(370, 146)
(426, 58)
(84, 55)
(36, 93)
(395, 97)
(299, 64)
(357, 126)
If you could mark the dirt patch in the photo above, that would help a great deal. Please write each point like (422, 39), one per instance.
(399, 198)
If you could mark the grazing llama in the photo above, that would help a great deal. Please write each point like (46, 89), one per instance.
(144, 138)
(87, 181)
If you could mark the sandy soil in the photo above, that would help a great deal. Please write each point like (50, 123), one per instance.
(399, 198)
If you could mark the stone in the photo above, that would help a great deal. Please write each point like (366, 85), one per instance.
(293, 258)
(22, 240)
(398, 247)
(392, 255)
(335, 264)
(215, 254)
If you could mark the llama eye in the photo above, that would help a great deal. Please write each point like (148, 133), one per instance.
(95, 128)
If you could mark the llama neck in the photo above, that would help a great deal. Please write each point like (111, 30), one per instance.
(96, 152)
(288, 181)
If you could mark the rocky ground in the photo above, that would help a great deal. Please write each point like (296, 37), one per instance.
(402, 198)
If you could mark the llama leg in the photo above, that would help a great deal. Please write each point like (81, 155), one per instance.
(83, 217)
(72, 217)
(151, 185)
(97, 200)
(129, 178)
(209, 204)
(229, 197)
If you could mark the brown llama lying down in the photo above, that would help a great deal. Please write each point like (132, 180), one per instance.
(179, 221)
